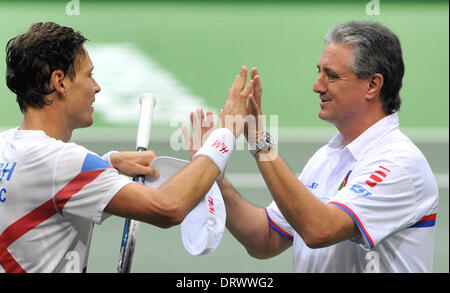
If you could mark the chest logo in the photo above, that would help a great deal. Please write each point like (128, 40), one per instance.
(344, 182)
(313, 185)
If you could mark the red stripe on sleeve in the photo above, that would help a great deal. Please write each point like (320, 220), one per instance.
(380, 173)
(431, 217)
(371, 183)
(375, 178)
(74, 186)
(384, 168)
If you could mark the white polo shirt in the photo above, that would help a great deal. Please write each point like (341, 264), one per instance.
(383, 181)
(51, 194)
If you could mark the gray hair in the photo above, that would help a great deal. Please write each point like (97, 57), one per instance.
(375, 50)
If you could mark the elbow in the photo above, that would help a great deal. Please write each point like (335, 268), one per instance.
(264, 249)
(254, 253)
(167, 223)
(170, 215)
(258, 254)
(313, 244)
(317, 240)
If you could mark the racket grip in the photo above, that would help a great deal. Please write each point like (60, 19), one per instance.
(147, 102)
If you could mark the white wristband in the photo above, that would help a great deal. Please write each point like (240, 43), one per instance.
(218, 147)
(107, 156)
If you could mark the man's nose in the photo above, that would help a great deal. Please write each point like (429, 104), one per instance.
(320, 85)
(97, 87)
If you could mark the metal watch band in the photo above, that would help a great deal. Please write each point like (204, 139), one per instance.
(265, 143)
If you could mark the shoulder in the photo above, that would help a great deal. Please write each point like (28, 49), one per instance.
(80, 157)
(396, 164)
(4, 133)
(39, 149)
(401, 151)
(7, 135)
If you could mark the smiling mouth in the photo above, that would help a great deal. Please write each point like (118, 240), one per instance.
(324, 98)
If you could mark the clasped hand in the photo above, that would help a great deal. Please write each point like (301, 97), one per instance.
(243, 102)
(134, 163)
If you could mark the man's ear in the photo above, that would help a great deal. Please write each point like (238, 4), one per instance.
(57, 82)
(375, 83)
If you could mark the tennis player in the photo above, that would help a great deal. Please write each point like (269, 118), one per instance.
(366, 201)
(52, 190)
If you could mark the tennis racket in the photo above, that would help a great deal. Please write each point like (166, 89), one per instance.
(131, 227)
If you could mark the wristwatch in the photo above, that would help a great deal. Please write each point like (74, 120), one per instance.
(266, 142)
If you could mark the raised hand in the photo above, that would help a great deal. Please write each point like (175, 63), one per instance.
(254, 125)
(235, 109)
(202, 125)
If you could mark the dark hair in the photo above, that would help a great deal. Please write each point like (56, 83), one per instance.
(32, 57)
(376, 50)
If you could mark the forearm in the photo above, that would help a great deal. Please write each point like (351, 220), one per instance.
(189, 186)
(248, 224)
(169, 204)
(316, 222)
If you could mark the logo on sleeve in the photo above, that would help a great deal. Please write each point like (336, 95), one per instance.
(359, 190)
(378, 176)
(220, 146)
(211, 205)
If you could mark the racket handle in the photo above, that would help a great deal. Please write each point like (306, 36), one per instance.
(148, 102)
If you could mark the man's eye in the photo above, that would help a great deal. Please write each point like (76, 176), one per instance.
(332, 76)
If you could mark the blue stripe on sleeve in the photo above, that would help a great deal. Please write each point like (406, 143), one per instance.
(93, 162)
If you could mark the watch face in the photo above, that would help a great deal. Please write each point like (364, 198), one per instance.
(269, 139)
(265, 141)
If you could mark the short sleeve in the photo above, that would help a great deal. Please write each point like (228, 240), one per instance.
(278, 222)
(380, 198)
(84, 184)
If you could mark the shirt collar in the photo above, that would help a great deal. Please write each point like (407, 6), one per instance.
(362, 143)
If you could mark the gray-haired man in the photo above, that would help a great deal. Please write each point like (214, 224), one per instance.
(366, 201)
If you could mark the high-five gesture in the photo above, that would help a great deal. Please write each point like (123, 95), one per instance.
(235, 109)
(253, 125)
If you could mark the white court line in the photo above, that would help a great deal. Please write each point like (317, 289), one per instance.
(416, 134)
(132, 73)
(285, 134)
(255, 180)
